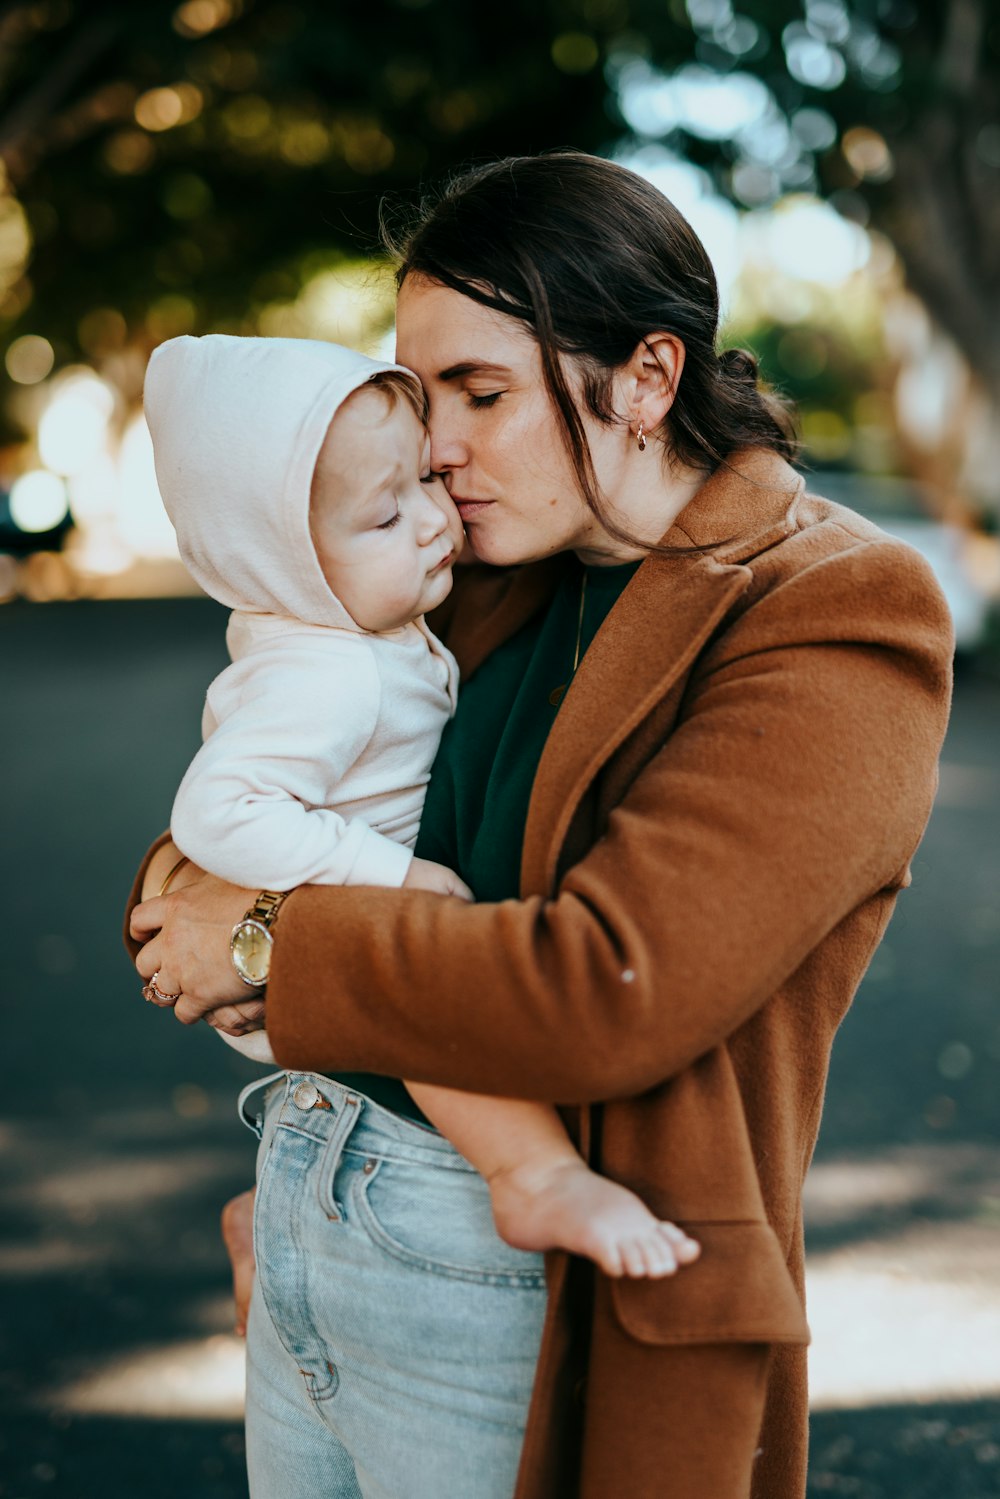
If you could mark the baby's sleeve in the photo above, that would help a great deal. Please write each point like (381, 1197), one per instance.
(291, 720)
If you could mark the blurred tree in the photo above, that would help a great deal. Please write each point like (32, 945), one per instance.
(181, 166)
(889, 108)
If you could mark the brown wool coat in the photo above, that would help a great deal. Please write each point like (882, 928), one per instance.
(723, 816)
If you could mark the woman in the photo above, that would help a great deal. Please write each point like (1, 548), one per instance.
(686, 779)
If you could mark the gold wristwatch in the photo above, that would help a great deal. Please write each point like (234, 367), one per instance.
(251, 942)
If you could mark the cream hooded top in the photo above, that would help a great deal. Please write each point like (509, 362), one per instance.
(319, 738)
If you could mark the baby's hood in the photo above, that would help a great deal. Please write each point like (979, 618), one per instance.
(237, 425)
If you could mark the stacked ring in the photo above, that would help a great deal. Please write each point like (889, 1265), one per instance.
(156, 996)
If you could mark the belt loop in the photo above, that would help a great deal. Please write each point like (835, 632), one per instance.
(255, 1122)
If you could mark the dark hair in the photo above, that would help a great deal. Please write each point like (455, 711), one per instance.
(594, 259)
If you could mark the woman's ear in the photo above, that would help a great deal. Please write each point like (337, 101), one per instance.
(650, 378)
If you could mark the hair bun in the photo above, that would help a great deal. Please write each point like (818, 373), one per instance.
(739, 364)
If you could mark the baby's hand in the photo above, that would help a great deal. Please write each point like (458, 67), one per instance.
(423, 874)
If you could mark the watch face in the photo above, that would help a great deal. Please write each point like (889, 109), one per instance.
(251, 946)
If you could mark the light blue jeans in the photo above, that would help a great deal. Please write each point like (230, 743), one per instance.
(393, 1335)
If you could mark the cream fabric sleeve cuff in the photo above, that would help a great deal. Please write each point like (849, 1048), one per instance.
(380, 861)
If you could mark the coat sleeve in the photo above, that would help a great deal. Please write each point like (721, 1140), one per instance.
(254, 806)
(796, 785)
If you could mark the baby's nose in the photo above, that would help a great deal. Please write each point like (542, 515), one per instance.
(434, 519)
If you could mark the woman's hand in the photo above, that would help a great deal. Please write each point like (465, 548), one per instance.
(424, 874)
(187, 946)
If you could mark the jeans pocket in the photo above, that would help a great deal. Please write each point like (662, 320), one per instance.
(439, 1220)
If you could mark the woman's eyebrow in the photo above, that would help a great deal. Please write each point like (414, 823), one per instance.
(473, 367)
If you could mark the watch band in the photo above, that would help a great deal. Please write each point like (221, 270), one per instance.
(265, 908)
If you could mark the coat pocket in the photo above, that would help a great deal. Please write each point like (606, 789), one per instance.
(739, 1290)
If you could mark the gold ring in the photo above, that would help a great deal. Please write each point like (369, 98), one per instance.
(156, 996)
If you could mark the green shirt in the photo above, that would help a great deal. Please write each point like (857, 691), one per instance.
(477, 801)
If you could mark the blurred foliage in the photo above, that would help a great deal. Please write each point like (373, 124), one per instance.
(179, 167)
(832, 381)
(183, 166)
(889, 108)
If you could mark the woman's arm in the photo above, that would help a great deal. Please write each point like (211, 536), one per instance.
(797, 786)
(163, 857)
(148, 879)
(244, 1013)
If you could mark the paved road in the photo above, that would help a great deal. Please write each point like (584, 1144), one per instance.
(116, 1374)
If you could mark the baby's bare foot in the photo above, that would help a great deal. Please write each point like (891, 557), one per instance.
(565, 1205)
(237, 1234)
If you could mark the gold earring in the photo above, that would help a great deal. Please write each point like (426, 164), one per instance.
(640, 439)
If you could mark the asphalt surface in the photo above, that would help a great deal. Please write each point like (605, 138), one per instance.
(119, 1140)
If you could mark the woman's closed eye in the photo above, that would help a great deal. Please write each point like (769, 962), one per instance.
(478, 403)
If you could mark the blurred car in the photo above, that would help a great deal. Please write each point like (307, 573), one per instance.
(966, 561)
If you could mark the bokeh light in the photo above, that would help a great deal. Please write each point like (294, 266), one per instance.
(707, 104)
(808, 240)
(15, 244)
(868, 153)
(29, 359)
(73, 426)
(198, 17)
(350, 303)
(143, 524)
(129, 152)
(38, 501)
(163, 108)
(811, 60)
(815, 128)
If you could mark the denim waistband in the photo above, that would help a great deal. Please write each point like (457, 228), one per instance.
(315, 1105)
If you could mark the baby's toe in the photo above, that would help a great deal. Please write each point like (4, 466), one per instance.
(684, 1248)
(634, 1258)
(609, 1256)
(659, 1257)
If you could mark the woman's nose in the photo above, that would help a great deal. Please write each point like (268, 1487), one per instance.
(448, 452)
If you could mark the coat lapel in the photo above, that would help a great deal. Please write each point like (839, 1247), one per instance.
(653, 633)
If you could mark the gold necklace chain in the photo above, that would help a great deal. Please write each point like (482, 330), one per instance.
(558, 693)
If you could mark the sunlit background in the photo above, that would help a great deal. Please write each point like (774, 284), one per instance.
(216, 166)
(221, 165)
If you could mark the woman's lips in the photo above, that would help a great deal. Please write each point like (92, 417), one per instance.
(468, 508)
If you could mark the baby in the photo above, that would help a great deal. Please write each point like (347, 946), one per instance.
(297, 476)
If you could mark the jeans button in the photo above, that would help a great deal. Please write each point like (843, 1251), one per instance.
(305, 1096)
